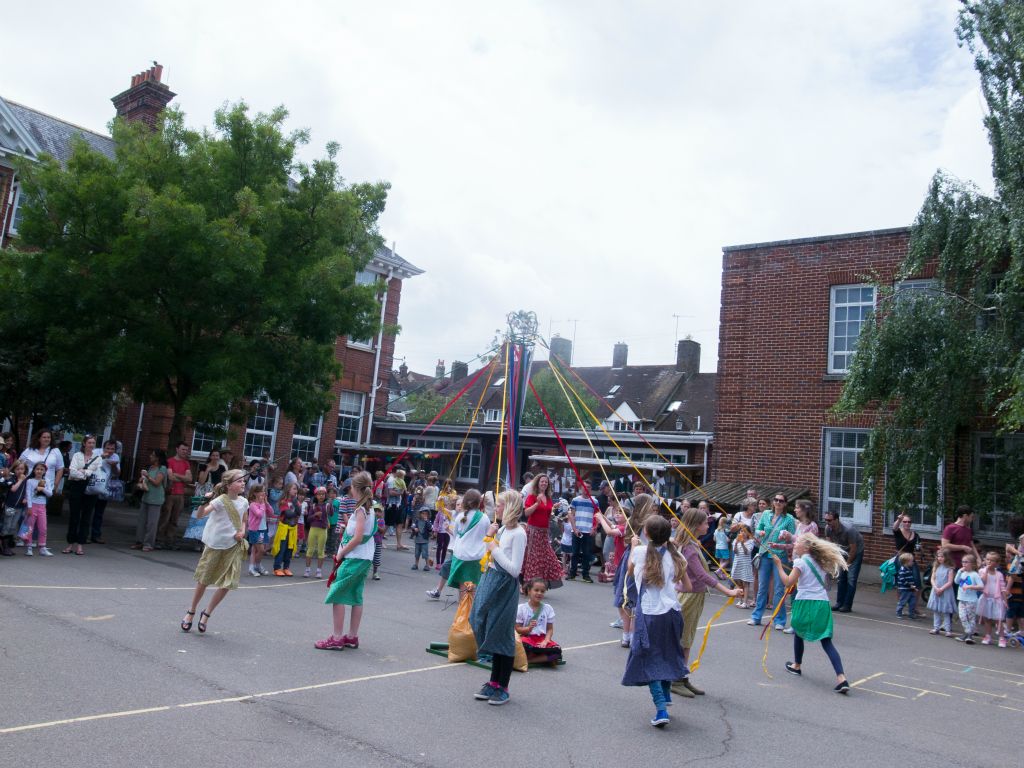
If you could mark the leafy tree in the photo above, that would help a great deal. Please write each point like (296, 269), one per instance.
(427, 403)
(932, 362)
(196, 269)
(557, 404)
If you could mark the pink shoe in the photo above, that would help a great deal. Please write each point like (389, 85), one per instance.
(987, 640)
(1002, 642)
(332, 643)
(349, 642)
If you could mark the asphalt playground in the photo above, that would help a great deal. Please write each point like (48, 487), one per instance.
(96, 671)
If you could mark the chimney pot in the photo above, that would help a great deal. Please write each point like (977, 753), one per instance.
(145, 98)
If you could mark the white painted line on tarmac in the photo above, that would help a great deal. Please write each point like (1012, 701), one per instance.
(906, 624)
(229, 700)
(301, 583)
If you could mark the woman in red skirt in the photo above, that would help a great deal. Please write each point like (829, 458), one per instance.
(540, 561)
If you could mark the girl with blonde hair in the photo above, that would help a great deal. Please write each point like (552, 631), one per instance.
(624, 589)
(493, 617)
(813, 558)
(352, 562)
(224, 545)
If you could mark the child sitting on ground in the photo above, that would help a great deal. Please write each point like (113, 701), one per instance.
(906, 586)
(535, 625)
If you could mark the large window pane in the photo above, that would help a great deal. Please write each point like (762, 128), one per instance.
(850, 307)
(843, 475)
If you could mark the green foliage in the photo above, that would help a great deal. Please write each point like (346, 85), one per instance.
(427, 403)
(556, 403)
(197, 269)
(932, 363)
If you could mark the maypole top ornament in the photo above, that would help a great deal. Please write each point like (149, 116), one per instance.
(522, 327)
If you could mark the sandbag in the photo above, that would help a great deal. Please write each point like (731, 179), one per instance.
(520, 664)
(461, 640)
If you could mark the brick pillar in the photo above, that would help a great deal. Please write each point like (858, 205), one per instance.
(145, 99)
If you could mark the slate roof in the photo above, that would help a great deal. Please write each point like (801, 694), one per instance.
(732, 494)
(648, 390)
(54, 135)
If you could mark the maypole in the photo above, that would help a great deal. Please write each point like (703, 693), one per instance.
(520, 339)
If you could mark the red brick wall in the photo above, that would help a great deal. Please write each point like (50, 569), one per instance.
(774, 393)
(6, 177)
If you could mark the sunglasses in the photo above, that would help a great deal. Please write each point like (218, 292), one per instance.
(779, 501)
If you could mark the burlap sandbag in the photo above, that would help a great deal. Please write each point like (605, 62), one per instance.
(461, 640)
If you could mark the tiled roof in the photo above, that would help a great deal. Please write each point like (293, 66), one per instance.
(54, 136)
(733, 494)
(391, 259)
(649, 390)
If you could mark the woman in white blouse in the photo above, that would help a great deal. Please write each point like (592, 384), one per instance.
(220, 565)
(493, 617)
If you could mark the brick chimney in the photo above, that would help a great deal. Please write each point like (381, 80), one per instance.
(460, 370)
(439, 370)
(619, 354)
(688, 357)
(145, 99)
(562, 349)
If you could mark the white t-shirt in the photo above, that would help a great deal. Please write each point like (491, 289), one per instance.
(510, 551)
(361, 551)
(566, 534)
(525, 615)
(468, 543)
(807, 586)
(657, 600)
(219, 531)
(51, 456)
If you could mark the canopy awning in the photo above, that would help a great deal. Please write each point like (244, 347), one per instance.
(590, 461)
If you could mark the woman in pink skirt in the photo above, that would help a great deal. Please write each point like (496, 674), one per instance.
(540, 561)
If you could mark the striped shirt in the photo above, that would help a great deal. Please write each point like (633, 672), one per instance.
(583, 513)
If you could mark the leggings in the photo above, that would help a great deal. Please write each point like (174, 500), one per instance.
(284, 558)
(377, 547)
(826, 644)
(661, 693)
(501, 669)
(442, 547)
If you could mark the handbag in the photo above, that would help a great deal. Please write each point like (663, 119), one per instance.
(96, 483)
(10, 521)
(115, 489)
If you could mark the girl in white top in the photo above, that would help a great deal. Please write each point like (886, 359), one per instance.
(220, 565)
(493, 617)
(352, 562)
(38, 488)
(468, 531)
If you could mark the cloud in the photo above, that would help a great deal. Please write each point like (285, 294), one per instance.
(585, 160)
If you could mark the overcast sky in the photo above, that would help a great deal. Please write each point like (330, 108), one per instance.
(584, 160)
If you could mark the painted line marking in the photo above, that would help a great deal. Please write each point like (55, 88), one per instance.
(304, 582)
(921, 691)
(904, 624)
(865, 679)
(229, 700)
(882, 693)
(1009, 678)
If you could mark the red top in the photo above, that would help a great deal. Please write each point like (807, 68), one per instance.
(955, 533)
(178, 467)
(542, 514)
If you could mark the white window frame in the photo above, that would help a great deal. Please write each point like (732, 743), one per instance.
(349, 417)
(471, 463)
(302, 437)
(995, 531)
(262, 400)
(15, 207)
(861, 516)
(492, 416)
(921, 506)
(363, 277)
(832, 369)
(216, 444)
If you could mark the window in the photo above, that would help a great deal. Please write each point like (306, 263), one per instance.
(364, 277)
(350, 417)
(909, 289)
(843, 475)
(849, 308)
(923, 513)
(306, 441)
(998, 484)
(261, 429)
(492, 416)
(469, 464)
(617, 425)
(207, 437)
(19, 212)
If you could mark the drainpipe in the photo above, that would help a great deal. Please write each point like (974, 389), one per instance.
(376, 361)
(704, 481)
(138, 433)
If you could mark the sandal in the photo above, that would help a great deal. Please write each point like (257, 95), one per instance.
(79, 551)
(187, 625)
(67, 550)
(202, 621)
(136, 545)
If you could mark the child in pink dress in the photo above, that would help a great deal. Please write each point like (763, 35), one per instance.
(992, 604)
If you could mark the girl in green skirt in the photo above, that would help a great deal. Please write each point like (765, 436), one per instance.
(468, 531)
(812, 613)
(351, 566)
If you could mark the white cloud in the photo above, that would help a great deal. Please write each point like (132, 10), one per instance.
(585, 160)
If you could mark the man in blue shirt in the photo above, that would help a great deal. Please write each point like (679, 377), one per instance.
(581, 521)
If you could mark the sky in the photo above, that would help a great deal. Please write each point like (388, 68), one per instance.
(584, 160)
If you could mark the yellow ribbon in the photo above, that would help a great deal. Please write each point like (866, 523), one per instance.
(707, 631)
(768, 632)
(486, 559)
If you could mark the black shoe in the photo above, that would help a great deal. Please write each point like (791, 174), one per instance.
(570, 578)
(845, 610)
(587, 580)
(793, 669)
(836, 607)
(843, 688)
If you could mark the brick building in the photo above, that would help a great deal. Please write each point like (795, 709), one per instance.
(791, 314)
(671, 405)
(360, 395)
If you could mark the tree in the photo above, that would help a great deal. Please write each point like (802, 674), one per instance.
(197, 269)
(932, 363)
(557, 404)
(427, 403)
